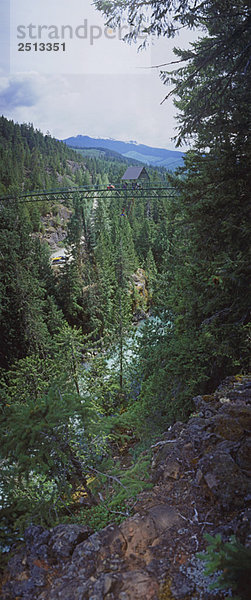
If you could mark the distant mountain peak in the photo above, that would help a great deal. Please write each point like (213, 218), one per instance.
(157, 157)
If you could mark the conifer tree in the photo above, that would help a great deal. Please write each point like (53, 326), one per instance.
(125, 264)
(46, 447)
(107, 283)
(22, 323)
(203, 280)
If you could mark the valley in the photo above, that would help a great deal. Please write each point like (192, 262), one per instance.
(125, 337)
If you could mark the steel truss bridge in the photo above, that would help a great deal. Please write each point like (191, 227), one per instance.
(129, 192)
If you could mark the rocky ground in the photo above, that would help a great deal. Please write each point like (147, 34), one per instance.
(201, 476)
(54, 227)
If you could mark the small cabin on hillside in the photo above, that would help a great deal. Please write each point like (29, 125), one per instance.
(134, 174)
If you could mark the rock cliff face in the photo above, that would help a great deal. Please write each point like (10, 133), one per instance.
(201, 481)
(138, 287)
(54, 226)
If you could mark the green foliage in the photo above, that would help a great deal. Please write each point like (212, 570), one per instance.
(165, 17)
(55, 424)
(102, 515)
(46, 447)
(233, 561)
(134, 480)
(28, 378)
(101, 384)
(202, 284)
(25, 287)
(118, 487)
(30, 160)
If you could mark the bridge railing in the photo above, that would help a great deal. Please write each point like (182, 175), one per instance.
(132, 189)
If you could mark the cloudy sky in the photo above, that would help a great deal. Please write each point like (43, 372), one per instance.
(63, 70)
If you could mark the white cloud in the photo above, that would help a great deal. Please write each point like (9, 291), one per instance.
(18, 91)
(123, 107)
(113, 103)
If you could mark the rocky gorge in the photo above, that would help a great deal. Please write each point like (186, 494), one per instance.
(201, 484)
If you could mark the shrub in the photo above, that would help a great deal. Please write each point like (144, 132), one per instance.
(231, 562)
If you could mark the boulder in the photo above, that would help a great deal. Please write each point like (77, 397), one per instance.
(65, 538)
(224, 479)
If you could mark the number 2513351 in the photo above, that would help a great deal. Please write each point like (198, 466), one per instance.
(41, 47)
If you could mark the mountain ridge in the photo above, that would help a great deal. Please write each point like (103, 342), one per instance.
(150, 155)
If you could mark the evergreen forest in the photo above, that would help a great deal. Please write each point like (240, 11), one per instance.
(100, 354)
